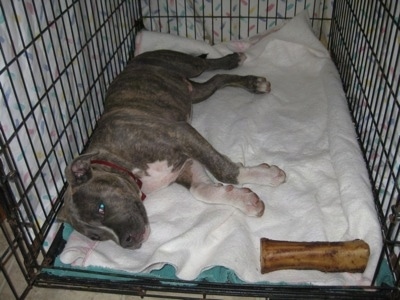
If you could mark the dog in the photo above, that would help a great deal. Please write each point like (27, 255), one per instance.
(143, 142)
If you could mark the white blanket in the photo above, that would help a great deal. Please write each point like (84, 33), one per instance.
(303, 126)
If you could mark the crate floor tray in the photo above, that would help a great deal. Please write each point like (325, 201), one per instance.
(303, 126)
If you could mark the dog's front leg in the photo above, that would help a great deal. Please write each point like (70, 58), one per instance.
(203, 155)
(223, 169)
(202, 188)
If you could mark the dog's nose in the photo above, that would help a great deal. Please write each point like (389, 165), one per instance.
(131, 240)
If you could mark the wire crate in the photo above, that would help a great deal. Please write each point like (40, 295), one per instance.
(57, 60)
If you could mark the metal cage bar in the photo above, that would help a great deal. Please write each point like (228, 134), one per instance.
(62, 79)
(243, 19)
(364, 49)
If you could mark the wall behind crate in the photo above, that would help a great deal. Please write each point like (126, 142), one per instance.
(56, 61)
(220, 21)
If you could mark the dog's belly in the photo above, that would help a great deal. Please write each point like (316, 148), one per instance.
(158, 175)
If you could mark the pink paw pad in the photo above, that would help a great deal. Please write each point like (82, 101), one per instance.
(253, 205)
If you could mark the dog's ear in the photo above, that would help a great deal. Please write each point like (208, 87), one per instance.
(79, 171)
(63, 214)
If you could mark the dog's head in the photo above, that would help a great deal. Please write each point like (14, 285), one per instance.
(104, 205)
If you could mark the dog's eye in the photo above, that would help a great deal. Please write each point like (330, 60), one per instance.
(102, 209)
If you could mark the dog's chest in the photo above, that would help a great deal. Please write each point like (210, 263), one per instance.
(157, 176)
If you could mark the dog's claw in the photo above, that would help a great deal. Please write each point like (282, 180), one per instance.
(242, 58)
(258, 85)
(263, 86)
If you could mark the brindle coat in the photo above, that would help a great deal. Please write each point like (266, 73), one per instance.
(144, 132)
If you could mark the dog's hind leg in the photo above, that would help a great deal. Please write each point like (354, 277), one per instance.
(254, 84)
(187, 65)
(226, 62)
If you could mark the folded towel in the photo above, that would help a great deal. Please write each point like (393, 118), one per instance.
(150, 41)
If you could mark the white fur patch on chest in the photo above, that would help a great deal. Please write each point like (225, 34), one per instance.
(157, 176)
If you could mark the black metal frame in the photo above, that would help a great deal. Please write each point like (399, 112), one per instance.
(374, 103)
(24, 233)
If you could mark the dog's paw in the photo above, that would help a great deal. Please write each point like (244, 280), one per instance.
(276, 176)
(258, 85)
(263, 174)
(253, 206)
(233, 60)
(245, 200)
(242, 58)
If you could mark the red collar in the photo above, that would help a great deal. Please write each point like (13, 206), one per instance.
(117, 167)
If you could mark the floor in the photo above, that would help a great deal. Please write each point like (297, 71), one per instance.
(11, 268)
(38, 293)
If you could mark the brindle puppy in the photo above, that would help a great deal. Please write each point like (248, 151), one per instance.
(143, 143)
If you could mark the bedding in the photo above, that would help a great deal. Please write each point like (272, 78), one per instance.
(303, 126)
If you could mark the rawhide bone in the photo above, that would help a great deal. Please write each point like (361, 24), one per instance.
(349, 256)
